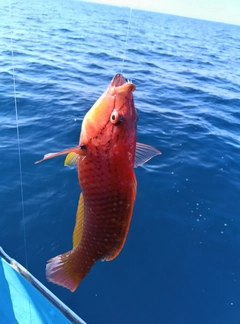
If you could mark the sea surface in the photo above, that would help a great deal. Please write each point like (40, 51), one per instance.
(181, 260)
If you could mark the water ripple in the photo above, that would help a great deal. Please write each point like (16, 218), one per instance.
(183, 247)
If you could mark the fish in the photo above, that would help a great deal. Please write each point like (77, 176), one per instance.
(105, 158)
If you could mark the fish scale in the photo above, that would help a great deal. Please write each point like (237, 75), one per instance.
(108, 211)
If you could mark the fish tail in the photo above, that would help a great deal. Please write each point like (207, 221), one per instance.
(64, 270)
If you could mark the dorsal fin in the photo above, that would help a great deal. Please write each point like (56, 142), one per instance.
(78, 229)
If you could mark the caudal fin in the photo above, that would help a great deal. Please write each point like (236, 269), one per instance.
(68, 269)
(61, 272)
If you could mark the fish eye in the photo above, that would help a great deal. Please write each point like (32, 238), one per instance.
(115, 118)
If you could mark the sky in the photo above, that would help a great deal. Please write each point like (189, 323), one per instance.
(227, 11)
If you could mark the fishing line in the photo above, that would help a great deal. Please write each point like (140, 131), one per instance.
(18, 137)
(126, 39)
(19, 150)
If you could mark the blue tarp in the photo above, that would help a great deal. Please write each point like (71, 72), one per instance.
(22, 303)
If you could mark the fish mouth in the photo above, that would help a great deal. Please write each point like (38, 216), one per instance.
(119, 85)
(118, 80)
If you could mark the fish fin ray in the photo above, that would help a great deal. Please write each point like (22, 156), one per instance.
(78, 229)
(71, 159)
(144, 153)
(76, 149)
(61, 271)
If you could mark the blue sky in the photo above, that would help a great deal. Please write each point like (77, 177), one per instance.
(217, 10)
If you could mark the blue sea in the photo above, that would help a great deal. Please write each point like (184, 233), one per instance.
(181, 260)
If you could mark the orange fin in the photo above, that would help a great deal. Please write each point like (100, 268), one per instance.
(77, 233)
(76, 149)
(61, 271)
(144, 153)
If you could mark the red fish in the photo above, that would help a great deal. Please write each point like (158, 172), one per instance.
(105, 157)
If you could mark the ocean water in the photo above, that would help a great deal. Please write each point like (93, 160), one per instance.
(181, 260)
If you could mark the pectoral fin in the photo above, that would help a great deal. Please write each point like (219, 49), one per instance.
(144, 153)
(77, 150)
(77, 233)
(71, 159)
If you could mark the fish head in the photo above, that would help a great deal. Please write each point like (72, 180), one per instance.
(113, 117)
